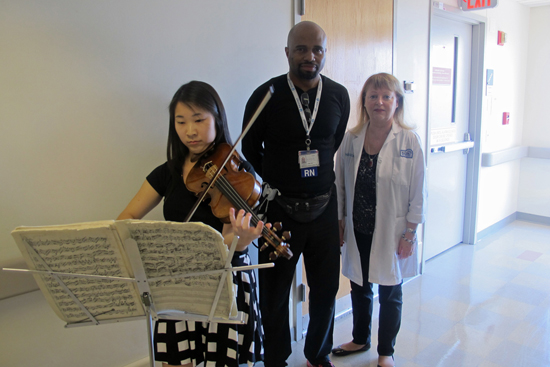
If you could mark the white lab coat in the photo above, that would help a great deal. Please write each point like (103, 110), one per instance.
(400, 197)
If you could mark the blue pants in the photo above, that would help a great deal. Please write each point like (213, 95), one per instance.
(390, 298)
(318, 241)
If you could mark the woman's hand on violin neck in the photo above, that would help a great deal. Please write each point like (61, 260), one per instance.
(241, 226)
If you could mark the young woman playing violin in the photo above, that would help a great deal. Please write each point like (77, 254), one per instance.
(198, 123)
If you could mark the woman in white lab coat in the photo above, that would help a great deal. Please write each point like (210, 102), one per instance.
(381, 200)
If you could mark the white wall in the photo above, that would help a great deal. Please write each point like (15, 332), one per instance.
(84, 90)
(536, 130)
(534, 187)
(498, 185)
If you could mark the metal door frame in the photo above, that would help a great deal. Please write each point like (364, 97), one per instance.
(475, 114)
(295, 304)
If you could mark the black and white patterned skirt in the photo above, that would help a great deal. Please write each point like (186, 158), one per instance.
(181, 342)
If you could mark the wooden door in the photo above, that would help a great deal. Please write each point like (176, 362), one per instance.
(359, 44)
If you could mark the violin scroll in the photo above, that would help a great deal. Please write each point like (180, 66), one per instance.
(281, 247)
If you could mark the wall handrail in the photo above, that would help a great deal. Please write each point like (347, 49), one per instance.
(491, 159)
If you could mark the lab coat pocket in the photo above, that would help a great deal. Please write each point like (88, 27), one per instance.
(401, 171)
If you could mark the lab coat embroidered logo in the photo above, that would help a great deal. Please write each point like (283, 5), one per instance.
(407, 153)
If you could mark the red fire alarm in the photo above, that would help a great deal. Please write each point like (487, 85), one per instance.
(501, 38)
(505, 118)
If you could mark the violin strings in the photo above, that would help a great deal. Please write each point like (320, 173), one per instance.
(238, 201)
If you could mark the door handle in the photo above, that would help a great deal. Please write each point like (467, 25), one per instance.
(453, 147)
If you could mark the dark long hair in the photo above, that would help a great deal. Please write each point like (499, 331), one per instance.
(201, 95)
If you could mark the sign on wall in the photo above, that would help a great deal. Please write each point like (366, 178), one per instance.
(468, 5)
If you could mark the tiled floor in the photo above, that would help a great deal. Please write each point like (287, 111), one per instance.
(486, 305)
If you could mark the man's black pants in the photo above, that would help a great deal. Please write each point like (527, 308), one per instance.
(318, 241)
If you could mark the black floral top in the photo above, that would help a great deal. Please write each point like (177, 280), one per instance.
(364, 202)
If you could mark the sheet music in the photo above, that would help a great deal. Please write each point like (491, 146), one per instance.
(92, 249)
(168, 249)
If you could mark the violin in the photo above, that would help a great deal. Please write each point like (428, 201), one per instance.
(233, 188)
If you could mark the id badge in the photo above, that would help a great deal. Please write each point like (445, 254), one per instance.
(309, 162)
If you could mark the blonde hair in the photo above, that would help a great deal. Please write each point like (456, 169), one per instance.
(376, 81)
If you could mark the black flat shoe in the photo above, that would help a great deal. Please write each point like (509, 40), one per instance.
(339, 352)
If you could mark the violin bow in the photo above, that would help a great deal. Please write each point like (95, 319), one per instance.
(259, 110)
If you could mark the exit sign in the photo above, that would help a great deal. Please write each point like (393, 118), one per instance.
(467, 5)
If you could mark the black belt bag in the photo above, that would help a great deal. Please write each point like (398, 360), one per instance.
(304, 210)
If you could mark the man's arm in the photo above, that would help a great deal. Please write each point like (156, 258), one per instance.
(252, 144)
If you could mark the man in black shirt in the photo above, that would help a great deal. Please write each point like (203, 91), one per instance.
(291, 146)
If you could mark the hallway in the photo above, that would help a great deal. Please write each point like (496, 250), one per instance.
(486, 305)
